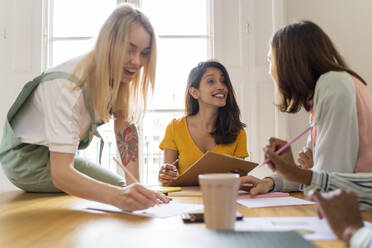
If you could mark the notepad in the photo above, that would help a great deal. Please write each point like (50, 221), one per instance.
(187, 192)
(164, 189)
(266, 195)
(272, 202)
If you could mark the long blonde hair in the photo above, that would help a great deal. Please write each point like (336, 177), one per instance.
(102, 68)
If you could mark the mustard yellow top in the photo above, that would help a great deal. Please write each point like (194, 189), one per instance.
(177, 137)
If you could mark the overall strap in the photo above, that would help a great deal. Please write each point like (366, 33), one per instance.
(32, 85)
(88, 103)
(58, 75)
(93, 129)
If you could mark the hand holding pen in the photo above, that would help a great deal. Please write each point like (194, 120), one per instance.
(278, 156)
(168, 173)
(283, 163)
(282, 145)
(136, 196)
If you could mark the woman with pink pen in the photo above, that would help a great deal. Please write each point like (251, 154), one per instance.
(310, 73)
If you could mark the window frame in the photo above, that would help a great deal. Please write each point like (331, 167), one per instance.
(210, 54)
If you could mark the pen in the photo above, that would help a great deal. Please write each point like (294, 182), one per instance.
(173, 163)
(126, 170)
(291, 141)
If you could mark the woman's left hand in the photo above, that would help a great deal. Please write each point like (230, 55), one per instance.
(305, 158)
(168, 173)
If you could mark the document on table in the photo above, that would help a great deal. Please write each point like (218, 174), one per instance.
(272, 202)
(158, 211)
(311, 228)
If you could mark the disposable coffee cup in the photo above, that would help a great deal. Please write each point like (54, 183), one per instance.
(219, 192)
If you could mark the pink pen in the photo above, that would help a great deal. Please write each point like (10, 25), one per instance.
(281, 149)
(174, 163)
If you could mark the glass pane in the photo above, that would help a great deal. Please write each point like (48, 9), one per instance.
(154, 125)
(67, 49)
(177, 17)
(72, 18)
(176, 57)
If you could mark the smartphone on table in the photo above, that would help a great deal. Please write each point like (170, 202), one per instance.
(199, 217)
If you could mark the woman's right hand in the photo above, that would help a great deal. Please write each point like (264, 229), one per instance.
(138, 197)
(258, 186)
(167, 174)
(341, 210)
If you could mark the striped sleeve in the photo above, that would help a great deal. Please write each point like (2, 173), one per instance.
(362, 238)
(282, 185)
(359, 183)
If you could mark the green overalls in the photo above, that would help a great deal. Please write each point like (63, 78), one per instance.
(28, 165)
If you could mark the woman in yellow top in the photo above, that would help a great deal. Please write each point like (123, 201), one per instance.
(212, 122)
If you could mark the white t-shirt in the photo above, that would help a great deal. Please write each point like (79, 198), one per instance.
(55, 115)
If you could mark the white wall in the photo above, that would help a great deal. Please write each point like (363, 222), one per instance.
(242, 31)
(349, 25)
(20, 53)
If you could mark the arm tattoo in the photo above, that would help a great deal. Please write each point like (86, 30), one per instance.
(127, 143)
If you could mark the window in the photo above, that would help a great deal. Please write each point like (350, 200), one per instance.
(72, 31)
(182, 43)
(73, 28)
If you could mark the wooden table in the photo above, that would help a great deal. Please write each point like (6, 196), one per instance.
(59, 220)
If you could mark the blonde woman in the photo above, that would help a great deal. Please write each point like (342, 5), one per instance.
(58, 112)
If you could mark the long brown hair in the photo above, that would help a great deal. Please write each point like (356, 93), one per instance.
(228, 124)
(303, 52)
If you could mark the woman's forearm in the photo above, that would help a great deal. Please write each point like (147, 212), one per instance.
(304, 176)
(127, 143)
(68, 179)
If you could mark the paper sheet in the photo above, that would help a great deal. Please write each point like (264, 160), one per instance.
(311, 228)
(158, 211)
(272, 202)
